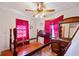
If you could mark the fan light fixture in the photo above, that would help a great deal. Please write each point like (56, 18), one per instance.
(40, 11)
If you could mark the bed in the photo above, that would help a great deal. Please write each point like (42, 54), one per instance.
(34, 48)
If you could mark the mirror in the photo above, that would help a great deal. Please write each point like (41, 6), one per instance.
(68, 27)
(68, 30)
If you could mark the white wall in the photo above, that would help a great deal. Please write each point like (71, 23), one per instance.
(7, 21)
(68, 12)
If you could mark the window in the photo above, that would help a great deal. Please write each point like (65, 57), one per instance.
(53, 33)
(22, 29)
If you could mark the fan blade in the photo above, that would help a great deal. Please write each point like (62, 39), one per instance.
(49, 10)
(30, 10)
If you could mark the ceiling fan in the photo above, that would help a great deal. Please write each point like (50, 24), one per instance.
(40, 9)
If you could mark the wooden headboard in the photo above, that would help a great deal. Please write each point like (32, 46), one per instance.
(70, 20)
(44, 34)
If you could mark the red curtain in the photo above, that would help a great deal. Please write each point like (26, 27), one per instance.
(22, 29)
(48, 27)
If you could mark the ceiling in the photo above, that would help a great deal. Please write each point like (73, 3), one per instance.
(21, 6)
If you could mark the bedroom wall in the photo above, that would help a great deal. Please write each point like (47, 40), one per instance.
(70, 12)
(7, 21)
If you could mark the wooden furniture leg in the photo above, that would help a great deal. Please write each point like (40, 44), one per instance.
(15, 34)
(10, 40)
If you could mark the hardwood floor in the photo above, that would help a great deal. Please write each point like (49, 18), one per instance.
(7, 53)
(44, 52)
